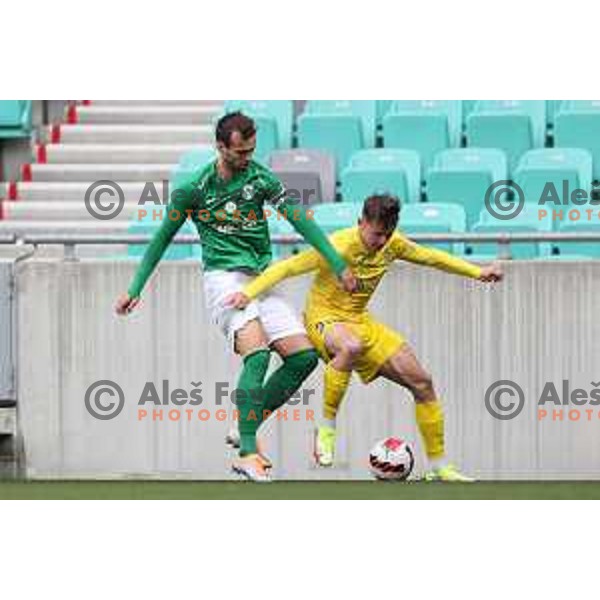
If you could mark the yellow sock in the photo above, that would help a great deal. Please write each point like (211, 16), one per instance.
(430, 419)
(336, 383)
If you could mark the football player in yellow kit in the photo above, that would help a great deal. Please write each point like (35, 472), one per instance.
(348, 338)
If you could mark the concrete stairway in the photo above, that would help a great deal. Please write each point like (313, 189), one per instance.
(134, 143)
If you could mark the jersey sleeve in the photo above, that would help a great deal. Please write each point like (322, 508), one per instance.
(304, 224)
(275, 191)
(404, 249)
(300, 264)
(183, 199)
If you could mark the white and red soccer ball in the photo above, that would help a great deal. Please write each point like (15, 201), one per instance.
(391, 459)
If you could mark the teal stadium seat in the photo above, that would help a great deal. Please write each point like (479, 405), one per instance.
(577, 125)
(543, 173)
(426, 126)
(366, 110)
(278, 226)
(572, 250)
(188, 163)
(427, 217)
(15, 118)
(463, 176)
(382, 170)
(468, 106)
(340, 215)
(381, 109)
(339, 135)
(282, 111)
(552, 108)
(526, 222)
(514, 126)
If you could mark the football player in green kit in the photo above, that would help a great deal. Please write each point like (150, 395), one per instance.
(226, 201)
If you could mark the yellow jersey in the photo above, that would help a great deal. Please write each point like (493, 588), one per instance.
(327, 297)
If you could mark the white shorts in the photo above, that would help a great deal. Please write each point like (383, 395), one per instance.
(278, 319)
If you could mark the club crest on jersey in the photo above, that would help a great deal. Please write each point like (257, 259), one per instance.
(248, 192)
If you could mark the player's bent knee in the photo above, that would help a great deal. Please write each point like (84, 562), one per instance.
(352, 349)
(422, 388)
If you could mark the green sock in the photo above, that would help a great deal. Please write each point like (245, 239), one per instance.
(251, 405)
(282, 384)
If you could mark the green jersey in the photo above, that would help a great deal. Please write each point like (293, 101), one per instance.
(229, 217)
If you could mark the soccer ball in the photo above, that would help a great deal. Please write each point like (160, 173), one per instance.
(391, 460)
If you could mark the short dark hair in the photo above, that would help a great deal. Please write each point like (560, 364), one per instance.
(382, 208)
(232, 122)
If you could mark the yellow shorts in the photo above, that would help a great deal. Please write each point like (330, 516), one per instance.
(379, 342)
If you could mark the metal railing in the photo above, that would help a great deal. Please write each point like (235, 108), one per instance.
(504, 240)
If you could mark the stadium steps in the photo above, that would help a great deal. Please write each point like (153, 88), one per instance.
(134, 143)
(119, 173)
(67, 211)
(112, 153)
(146, 114)
(129, 134)
(216, 104)
(89, 226)
(74, 191)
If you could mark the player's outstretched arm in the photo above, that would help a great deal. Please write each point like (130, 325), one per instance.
(302, 263)
(313, 234)
(174, 218)
(438, 259)
(491, 273)
(306, 226)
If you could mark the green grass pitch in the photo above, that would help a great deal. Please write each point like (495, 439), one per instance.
(188, 490)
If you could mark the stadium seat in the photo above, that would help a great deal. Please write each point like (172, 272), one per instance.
(426, 126)
(15, 118)
(539, 168)
(339, 135)
(280, 110)
(552, 109)
(515, 126)
(382, 107)
(577, 125)
(527, 221)
(382, 170)
(427, 217)
(366, 110)
(338, 215)
(299, 163)
(463, 176)
(191, 161)
(467, 108)
(148, 226)
(278, 226)
(591, 250)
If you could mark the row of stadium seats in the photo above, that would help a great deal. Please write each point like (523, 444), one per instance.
(134, 142)
(445, 218)
(457, 188)
(15, 118)
(462, 175)
(343, 127)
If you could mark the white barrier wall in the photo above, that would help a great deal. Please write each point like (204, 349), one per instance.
(7, 383)
(540, 325)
